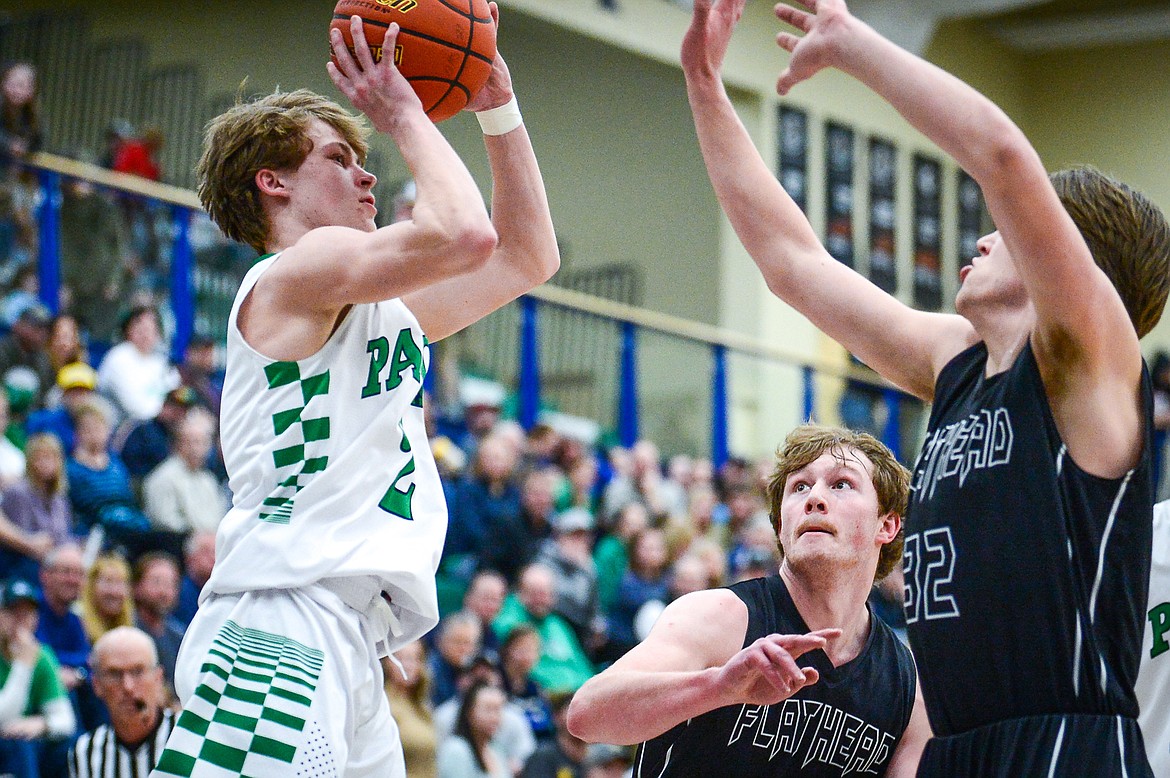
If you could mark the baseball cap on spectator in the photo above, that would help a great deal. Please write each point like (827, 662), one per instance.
(573, 520)
(600, 754)
(77, 375)
(17, 590)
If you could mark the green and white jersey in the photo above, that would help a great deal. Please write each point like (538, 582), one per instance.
(330, 466)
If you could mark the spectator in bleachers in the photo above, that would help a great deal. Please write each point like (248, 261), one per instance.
(95, 268)
(105, 598)
(581, 484)
(77, 382)
(563, 665)
(513, 740)
(138, 156)
(408, 690)
(564, 755)
(37, 503)
(569, 554)
(128, 678)
(148, 443)
(541, 446)
(35, 713)
(64, 347)
(513, 540)
(642, 482)
(181, 494)
(644, 581)
(468, 753)
(20, 120)
(136, 374)
(486, 496)
(99, 486)
(35, 515)
(754, 551)
(458, 642)
(59, 628)
(199, 372)
(518, 657)
(611, 554)
(484, 598)
(20, 134)
(156, 592)
(198, 562)
(605, 761)
(24, 348)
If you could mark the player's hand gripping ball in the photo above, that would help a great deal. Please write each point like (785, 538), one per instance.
(445, 48)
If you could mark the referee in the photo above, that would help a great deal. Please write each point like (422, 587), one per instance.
(129, 680)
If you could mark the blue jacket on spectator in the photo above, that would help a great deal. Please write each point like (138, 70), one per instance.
(55, 421)
(64, 634)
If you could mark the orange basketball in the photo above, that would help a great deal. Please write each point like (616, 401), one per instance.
(445, 47)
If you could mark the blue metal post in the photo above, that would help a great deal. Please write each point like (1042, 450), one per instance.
(182, 292)
(719, 432)
(49, 217)
(628, 387)
(528, 390)
(892, 434)
(810, 394)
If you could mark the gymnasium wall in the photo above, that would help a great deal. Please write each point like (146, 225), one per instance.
(605, 102)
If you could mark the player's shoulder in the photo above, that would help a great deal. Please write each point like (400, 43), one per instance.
(709, 614)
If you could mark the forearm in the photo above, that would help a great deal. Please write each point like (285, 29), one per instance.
(631, 706)
(520, 212)
(448, 201)
(962, 122)
(13, 537)
(14, 695)
(766, 219)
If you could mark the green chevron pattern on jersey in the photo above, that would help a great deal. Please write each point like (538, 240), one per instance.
(248, 713)
(294, 460)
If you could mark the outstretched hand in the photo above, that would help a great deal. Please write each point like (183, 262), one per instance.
(498, 89)
(766, 672)
(377, 89)
(823, 25)
(705, 43)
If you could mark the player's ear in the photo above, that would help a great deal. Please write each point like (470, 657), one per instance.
(270, 182)
(888, 529)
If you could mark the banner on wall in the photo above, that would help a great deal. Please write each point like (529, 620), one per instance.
(793, 140)
(839, 192)
(927, 233)
(883, 178)
(971, 210)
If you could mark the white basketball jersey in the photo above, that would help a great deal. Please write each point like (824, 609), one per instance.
(1153, 682)
(330, 466)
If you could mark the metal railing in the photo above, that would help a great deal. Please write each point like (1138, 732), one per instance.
(586, 328)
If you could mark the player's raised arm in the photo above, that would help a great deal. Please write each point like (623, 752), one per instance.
(449, 233)
(1082, 334)
(527, 254)
(692, 662)
(906, 346)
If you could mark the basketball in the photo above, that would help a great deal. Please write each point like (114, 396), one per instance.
(445, 47)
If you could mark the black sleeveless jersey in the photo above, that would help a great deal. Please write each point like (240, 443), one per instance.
(1025, 576)
(847, 723)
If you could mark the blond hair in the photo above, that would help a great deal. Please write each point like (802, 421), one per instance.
(268, 133)
(95, 623)
(805, 444)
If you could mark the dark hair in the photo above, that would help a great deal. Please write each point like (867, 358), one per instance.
(463, 720)
(144, 562)
(1127, 235)
(137, 311)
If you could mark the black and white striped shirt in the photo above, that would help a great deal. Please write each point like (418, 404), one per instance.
(99, 754)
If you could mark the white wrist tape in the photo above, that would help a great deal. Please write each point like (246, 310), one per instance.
(500, 120)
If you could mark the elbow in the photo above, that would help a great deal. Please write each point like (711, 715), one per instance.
(467, 247)
(579, 718)
(546, 265)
